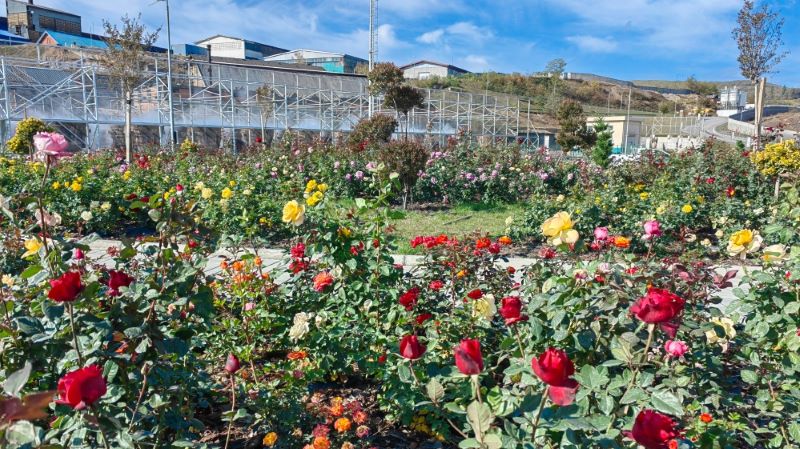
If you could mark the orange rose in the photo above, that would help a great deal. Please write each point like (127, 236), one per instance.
(296, 355)
(342, 425)
(321, 443)
(504, 240)
(622, 242)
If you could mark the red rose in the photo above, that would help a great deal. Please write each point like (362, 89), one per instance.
(116, 280)
(409, 298)
(494, 248)
(411, 348)
(81, 388)
(423, 317)
(554, 368)
(322, 281)
(658, 306)
(468, 357)
(436, 285)
(66, 288)
(475, 294)
(297, 266)
(482, 243)
(232, 364)
(547, 253)
(511, 310)
(511, 270)
(653, 430)
(298, 251)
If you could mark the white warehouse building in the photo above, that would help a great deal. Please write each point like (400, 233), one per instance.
(233, 47)
(422, 70)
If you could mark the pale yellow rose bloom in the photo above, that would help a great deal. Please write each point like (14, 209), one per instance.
(558, 230)
(484, 307)
(32, 246)
(294, 213)
(774, 253)
(743, 242)
(730, 332)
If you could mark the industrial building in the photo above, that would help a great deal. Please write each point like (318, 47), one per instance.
(30, 21)
(422, 70)
(189, 50)
(330, 62)
(237, 48)
(59, 39)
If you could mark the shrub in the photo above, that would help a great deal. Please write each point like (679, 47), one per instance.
(778, 158)
(22, 141)
(369, 133)
(406, 158)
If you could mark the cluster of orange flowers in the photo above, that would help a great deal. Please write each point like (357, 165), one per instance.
(340, 416)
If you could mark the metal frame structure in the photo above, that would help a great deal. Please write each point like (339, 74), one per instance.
(77, 91)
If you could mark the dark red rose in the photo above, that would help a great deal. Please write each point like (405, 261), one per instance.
(382, 358)
(78, 254)
(376, 243)
(494, 248)
(511, 270)
(653, 430)
(555, 369)
(475, 294)
(297, 266)
(411, 348)
(66, 288)
(298, 251)
(409, 299)
(232, 364)
(116, 280)
(436, 285)
(259, 140)
(547, 253)
(423, 317)
(511, 310)
(468, 357)
(658, 306)
(81, 388)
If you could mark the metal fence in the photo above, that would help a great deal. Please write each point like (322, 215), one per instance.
(231, 96)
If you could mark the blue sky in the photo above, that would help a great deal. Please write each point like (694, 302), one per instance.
(627, 39)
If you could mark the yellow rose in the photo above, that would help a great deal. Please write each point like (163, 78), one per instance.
(127, 175)
(314, 199)
(106, 206)
(743, 242)
(322, 188)
(294, 213)
(270, 439)
(484, 307)
(687, 209)
(558, 229)
(8, 281)
(774, 253)
(76, 187)
(661, 209)
(32, 246)
(644, 196)
(227, 193)
(206, 193)
(232, 184)
(311, 186)
(56, 185)
(345, 233)
(727, 325)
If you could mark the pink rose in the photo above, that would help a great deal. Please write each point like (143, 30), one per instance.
(601, 233)
(652, 229)
(676, 348)
(51, 144)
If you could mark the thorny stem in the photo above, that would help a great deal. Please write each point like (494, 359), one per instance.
(139, 400)
(74, 334)
(519, 342)
(93, 412)
(539, 412)
(233, 410)
(477, 385)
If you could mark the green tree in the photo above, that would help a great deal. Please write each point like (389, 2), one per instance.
(573, 132)
(404, 99)
(601, 151)
(126, 61)
(383, 77)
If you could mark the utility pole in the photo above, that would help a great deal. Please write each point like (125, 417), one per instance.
(373, 44)
(172, 136)
(627, 123)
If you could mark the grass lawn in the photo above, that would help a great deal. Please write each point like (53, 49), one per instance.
(458, 221)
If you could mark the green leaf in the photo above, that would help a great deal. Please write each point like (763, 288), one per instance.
(480, 419)
(749, 376)
(14, 383)
(633, 395)
(666, 402)
(361, 203)
(435, 390)
(31, 271)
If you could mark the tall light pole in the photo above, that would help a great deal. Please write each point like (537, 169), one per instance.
(373, 43)
(172, 135)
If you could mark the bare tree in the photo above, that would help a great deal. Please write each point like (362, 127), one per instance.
(126, 61)
(758, 34)
(265, 98)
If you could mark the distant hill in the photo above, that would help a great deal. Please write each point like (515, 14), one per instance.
(774, 91)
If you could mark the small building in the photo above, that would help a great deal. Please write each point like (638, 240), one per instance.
(238, 48)
(330, 62)
(731, 101)
(422, 70)
(59, 39)
(30, 21)
(189, 50)
(626, 132)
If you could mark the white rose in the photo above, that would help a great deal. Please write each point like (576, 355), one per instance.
(86, 215)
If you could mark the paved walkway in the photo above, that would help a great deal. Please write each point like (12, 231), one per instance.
(273, 257)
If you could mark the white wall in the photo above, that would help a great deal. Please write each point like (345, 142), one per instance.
(224, 47)
(424, 71)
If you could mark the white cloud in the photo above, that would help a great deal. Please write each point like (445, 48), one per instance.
(469, 30)
(431, 37)
(593, 44)
(476, 63)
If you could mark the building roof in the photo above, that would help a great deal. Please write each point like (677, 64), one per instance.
(72, 40)
(6, 36)
(46, 8)
(425, 61)
(236, 39)
(307, 54)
